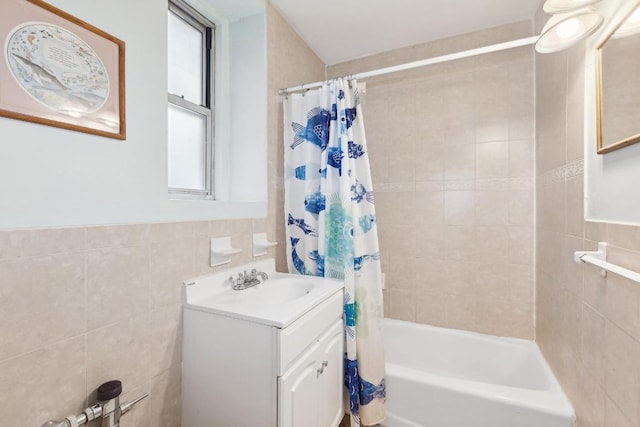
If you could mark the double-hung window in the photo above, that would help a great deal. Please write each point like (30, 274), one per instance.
(190, 115)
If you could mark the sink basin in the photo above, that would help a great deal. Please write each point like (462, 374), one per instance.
(271, 291)
(278, 301)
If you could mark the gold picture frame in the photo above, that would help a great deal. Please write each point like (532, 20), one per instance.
(60, 71)
(617, 92)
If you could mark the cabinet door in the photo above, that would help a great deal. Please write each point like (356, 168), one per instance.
(331, 382)
(298, 392)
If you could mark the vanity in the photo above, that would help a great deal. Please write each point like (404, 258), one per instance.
(270, 355)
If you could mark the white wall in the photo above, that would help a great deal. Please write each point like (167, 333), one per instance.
(248, 108)
(54, 177)
(612, 180)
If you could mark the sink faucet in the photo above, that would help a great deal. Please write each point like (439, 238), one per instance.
(246, 280)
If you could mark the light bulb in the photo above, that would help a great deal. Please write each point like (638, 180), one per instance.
(565, 30)
(568, 28)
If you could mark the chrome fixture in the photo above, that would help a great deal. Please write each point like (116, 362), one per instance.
(246, 280)
(108, 408)
(320, 370)
(566, 29)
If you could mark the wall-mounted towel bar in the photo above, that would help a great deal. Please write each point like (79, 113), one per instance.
(599, 259)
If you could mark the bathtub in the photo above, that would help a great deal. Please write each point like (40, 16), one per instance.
(440, 377)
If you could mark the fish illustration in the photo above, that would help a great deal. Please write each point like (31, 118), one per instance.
(306, 229)
(356, 150)
(369, 391)
(316, 131)
(319, 259)
(350, 314)
(315, 203)
(315, 255)
(42, 76)
(349, 115)
(352, 383)
(353, 387)
(335, 156)
(298, 263)
(349, 310)
(359, 261)
(78, 103)
(309, 171)
(356, 96)
(360, 193)
(367, 222)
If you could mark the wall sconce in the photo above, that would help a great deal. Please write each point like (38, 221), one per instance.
(566, 29)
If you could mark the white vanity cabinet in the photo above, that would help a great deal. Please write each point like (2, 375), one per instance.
(310, 391)
(240, 372)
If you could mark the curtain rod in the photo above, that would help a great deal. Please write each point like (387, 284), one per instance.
(430, 61)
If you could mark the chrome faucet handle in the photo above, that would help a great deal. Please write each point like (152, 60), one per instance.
(263, 276)
(127, 406)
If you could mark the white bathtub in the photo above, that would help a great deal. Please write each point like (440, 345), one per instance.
(440, 377)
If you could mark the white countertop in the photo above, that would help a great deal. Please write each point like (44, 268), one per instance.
(213, 293)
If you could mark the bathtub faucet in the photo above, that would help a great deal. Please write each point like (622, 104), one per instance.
(246, 280)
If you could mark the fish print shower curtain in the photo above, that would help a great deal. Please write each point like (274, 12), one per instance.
(331, 227)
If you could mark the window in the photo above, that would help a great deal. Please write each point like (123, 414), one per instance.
(190, 115)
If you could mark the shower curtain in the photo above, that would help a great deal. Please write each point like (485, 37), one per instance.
(331, 227)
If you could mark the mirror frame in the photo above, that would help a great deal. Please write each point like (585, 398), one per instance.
(601, 148)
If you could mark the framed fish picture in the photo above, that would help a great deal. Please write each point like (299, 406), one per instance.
(60, 71)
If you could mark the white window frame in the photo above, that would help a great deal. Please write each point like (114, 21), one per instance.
(197, 20)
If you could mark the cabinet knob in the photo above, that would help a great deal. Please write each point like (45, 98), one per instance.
(325, 363)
